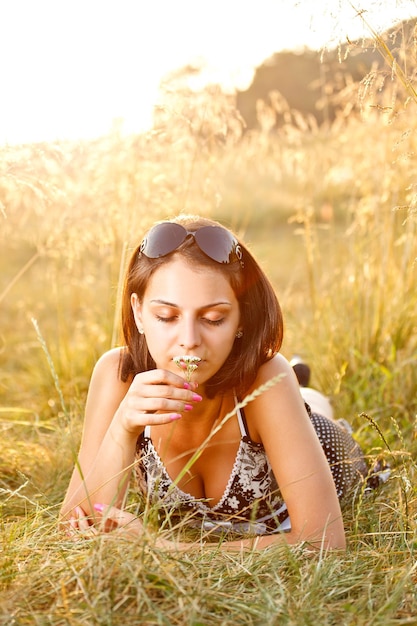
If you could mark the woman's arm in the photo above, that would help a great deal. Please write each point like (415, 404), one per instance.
(116, 414)
(106, 391)
(279, 420)
(112, 518)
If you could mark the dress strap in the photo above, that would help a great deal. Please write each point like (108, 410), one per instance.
(242, 420)
(147, 432)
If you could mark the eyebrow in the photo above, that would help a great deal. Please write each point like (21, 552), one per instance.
(206, 306)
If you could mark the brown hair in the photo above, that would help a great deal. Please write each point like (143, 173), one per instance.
(260, 314)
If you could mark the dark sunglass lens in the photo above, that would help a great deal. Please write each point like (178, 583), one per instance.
(217, 243)
(163, 239)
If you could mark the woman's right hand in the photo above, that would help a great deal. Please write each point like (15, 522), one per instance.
(155, 397)
(116, 415)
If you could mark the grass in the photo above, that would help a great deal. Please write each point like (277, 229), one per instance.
(331, 214)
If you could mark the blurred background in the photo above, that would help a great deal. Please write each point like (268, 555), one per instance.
(78, 69)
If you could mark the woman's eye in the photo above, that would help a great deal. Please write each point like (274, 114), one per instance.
(166, 320)
(214, 322)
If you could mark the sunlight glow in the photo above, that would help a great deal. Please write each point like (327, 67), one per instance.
(76, 69)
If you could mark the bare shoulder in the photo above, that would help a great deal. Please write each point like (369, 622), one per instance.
(280, 401)
(109, 363)
(278, 366)
(105, 393)
(105, 380)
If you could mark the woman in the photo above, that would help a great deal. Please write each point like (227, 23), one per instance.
(271, 470)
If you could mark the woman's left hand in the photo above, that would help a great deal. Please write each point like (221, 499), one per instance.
(109, 518)
(105, 519)
(126, 523)
(77, 525)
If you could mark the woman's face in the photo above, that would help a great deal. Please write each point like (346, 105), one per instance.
(190, 311)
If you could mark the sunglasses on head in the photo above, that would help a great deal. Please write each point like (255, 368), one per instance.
(216, 242)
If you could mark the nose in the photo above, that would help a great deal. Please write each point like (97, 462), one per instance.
(189, 334)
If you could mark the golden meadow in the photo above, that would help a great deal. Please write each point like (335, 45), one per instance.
(331, 214)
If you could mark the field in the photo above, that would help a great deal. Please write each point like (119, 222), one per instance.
(331, 214)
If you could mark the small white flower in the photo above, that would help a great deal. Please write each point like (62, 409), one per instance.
(187, 363)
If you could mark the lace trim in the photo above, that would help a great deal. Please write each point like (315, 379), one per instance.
(173, 489)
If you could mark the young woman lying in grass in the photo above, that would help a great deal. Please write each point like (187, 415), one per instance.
(202, 329)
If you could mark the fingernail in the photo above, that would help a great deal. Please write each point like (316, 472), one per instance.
(99, 507)
(188, 407)
(175, 416)
(196, 397)
(187, 385)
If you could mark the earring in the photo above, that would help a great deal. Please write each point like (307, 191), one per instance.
(239, 334)
(141, 331)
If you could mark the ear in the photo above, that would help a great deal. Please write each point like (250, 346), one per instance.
(137, 311)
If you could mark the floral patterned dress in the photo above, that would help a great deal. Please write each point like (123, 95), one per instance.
(251, 502)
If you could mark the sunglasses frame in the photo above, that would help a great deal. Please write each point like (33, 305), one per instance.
(235, 248)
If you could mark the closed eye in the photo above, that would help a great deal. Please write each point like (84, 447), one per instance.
(213, 322)
(166, 320)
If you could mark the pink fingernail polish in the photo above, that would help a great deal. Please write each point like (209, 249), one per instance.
(175, 416)
(99, 507)
(187, 385)
(196, 397)
(188, 407)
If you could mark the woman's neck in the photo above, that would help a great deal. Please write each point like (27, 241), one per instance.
(205, 414)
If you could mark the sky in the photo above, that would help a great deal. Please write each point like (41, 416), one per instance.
(72, 69)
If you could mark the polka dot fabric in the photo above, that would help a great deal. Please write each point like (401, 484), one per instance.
(344, 455)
